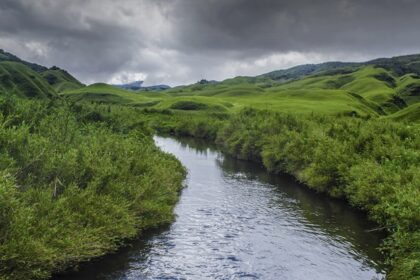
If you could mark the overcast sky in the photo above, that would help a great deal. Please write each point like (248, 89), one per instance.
(181, 41)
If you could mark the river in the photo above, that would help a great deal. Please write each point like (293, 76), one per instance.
(236, 221)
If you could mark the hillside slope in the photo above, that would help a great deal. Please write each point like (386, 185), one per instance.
(60, 79)
(6, 56)
(380, 87)
(27, 79)
(18, 79)
(104, 93)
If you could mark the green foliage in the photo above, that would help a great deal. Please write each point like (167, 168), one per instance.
(25, 79)
(107, 94)
(188, 105)
(365, 91)
(374, 164)
(76, 182)
(18, 79)
(89, 173)
(5, 56)
(60, 79)
(411, 114)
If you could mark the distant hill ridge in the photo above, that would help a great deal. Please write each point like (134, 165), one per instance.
(380, 87)
(32, 80)
(5, 56)
(400, 65)
(138, 86)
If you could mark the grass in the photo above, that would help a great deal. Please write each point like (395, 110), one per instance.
(411, 114)
(409, 88)
(373, 164)
(108, 94)
(61, 80)
(349, 130)
(365, 91)
(76, 182)
(31, 80)
(20, 80)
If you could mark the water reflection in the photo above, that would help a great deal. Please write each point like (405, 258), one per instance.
(236, 221)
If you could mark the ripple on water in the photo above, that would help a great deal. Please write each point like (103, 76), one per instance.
(236, 222)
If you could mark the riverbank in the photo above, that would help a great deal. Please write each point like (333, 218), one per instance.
(373, 164)
(75, 186)
(92, 176)
(236, 220)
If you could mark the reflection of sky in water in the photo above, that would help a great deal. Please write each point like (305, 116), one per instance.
(236, 221)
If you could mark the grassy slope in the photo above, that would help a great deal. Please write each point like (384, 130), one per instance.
(104, 93)
(72, 186)
(61, 80)
(409, 88)
(389, 91)
(5, 56)
(27, 79)
(381, 154)
(18, 79)
(76, 183)
(409, 114)
(363, 91)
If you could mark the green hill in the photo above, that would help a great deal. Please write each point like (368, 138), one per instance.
(5, 56)
(18, 79)
(309, 69)
(27, 79)
(409, 114)
(379, 87)
(60, 79)
(374, 88)
(104, 93)
(346, 129)
(400, 65)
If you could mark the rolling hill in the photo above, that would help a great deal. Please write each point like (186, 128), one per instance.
(31, 80)
(60, 79)
(385, 87)
(377, 88)
(108, 94)
(138, 86)
(19, 79)
(336, 138)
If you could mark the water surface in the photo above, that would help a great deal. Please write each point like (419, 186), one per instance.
(235, 221)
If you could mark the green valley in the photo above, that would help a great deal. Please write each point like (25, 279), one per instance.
(344, 89)
(81, 174)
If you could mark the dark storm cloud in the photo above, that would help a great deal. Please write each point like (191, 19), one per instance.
(85, 45)
(298, 25)
(178, 41)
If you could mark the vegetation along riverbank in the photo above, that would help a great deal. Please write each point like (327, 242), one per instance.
(80, 173)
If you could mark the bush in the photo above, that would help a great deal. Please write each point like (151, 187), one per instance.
(371, 163)
(76, 186)
(188, 105)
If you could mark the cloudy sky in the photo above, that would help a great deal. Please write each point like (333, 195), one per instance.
(181, 41)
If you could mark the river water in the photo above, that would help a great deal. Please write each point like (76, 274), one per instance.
(235, 221)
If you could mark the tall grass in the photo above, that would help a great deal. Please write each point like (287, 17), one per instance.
(372, 163)
(75, 184)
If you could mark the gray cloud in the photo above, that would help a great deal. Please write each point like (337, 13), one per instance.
(298, 25)
(181, 41)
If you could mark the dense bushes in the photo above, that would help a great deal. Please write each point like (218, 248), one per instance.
(203, 126)
(374, 164)
(188, 105)
(75, 182)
